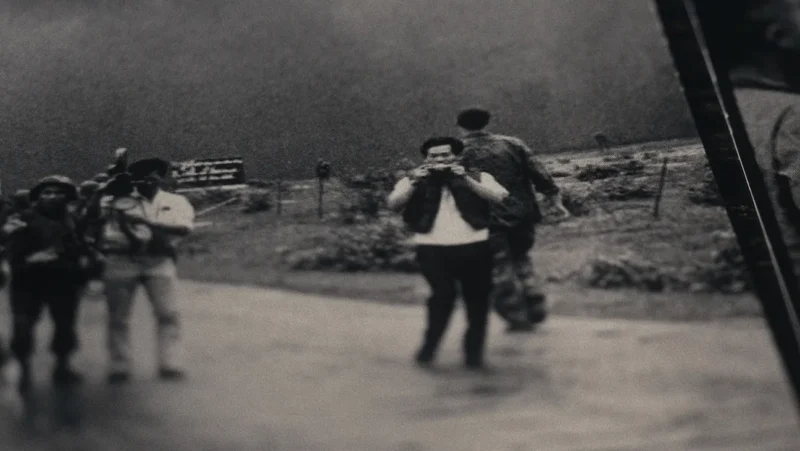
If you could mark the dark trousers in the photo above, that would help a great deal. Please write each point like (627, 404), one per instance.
(445, 268)
(30, 292)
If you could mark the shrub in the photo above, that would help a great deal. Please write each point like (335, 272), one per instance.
(705, 192)
(631, 167)
(630, 271)
(255, 200)
(600, 172)
(624, 188)
(649, 155)
(367, 191)
(593, 172)
(728, 271)
(372, 246)
(577, 201)
(725, 273)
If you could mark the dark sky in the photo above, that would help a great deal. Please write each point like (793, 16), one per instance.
(284, 82)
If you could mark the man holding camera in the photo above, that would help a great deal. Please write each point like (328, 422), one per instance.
(517, 296)
(447, 206)
(47, 259)
(142, 225)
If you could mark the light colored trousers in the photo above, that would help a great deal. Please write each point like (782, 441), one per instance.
(158, 277)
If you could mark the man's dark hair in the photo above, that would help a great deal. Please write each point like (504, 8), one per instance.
(456, 145)
(473, 119)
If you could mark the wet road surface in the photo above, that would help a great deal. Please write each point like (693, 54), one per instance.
(272, 370)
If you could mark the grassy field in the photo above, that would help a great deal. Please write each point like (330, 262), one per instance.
(243, 248)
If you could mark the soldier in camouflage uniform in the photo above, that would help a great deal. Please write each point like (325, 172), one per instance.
(517, 297)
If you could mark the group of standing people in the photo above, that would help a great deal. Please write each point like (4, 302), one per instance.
(472, 207)
(122, 228)
(473, 211)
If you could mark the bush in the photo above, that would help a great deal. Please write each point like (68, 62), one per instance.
(705, 192)
(725, 273)
(578, 202)
(624, 188)
(600, 172)
(366, 197)
(630, 167)
(630, 271)
(255, 200)
(649, 155)
(373, 246)
(728, 271)
(592, 172)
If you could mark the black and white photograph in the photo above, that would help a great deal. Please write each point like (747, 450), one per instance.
(379, 225)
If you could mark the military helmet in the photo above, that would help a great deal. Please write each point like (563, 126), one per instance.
(55, 180)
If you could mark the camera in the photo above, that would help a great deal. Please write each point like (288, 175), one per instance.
(440, 171)
(120, 185)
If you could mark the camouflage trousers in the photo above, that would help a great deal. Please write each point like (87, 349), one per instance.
(517, 295)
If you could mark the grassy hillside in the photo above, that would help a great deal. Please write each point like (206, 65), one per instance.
(355, 81)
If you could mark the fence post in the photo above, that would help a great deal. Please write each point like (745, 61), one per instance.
(320, 212)
(660, 188)
(323, 172)
(280, 196)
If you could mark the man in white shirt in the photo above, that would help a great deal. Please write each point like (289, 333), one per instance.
(139, 241)
(447, 206)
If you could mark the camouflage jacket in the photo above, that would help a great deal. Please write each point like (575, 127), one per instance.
(513, 165)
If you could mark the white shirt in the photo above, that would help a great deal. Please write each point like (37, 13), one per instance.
(165, 208)
(449, 227)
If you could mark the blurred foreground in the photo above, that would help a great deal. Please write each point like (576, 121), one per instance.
(274, 370)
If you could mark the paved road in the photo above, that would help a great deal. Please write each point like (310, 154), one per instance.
(279, 371)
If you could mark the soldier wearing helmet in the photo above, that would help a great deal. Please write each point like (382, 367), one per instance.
(46, 255)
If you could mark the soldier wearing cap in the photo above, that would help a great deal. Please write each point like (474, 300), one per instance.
(516, 296)
(46, 256)
(139, 238)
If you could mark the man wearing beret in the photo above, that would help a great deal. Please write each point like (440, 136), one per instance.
(516, 296)
(447, 206)
(45, 254)
(139, 241)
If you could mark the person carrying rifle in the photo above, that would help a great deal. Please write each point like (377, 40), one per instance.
(447, 206)
(47, 258)
(141, 226)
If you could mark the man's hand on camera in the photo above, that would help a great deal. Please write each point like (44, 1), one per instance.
(418, 174)
(458, 170)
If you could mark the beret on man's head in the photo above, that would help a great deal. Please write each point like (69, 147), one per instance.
(455, 144)
(143, 168)
(473, 118)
